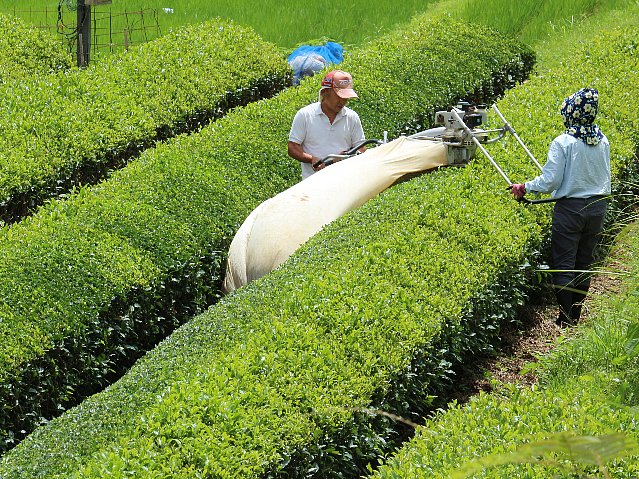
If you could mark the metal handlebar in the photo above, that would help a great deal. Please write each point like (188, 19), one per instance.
(480, 146)
(533, 202)
(512, 132)
(330, 159)
(354, 150)
(536, 202)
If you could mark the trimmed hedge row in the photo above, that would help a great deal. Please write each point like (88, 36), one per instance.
(150, 239)
(26, 51)
(577, 395)
(269, 376)
(497, 425)
(71, 128)
(581, 393)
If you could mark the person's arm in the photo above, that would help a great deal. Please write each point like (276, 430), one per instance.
(552, 174)
(295, 139)
(296, 152)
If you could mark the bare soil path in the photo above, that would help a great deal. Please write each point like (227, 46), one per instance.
(535, 335)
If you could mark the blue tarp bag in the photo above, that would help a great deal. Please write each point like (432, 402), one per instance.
(307, 60)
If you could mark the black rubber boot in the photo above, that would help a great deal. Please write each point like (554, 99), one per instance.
(565, 302)
(578, 297)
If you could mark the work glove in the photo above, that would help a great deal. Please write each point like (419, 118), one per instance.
(518, 190)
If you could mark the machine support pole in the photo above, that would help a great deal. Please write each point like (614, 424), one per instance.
(514, 133)
(481, 147)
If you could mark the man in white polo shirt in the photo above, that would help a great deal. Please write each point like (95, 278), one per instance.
(326, 127)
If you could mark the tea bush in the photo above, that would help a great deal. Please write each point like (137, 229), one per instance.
(26, 51)
(89, 276)
(273, 374)
(62, 130)
(588, 385)
(588, 388)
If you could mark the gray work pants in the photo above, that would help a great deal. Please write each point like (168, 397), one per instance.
(577, 224)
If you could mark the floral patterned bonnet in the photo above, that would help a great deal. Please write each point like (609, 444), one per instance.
(578, 112)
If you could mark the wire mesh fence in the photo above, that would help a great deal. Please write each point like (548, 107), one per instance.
(111, 31)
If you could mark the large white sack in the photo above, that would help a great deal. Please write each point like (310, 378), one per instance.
(280, 225)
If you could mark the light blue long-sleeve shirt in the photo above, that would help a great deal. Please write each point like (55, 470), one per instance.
(574, 169)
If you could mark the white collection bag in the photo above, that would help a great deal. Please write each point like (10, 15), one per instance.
(281, 224)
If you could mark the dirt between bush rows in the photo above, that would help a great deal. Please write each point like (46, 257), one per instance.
(535, 334)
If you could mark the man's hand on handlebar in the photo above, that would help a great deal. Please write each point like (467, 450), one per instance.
(329, 160)
(318, 164)
(342, 155)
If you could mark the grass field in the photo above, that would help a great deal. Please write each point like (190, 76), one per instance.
(533, 21)
(287, 23)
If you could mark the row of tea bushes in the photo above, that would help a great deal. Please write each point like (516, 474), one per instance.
(278, 374)
(532, 433)
(588, 386)
(287, 376)
(287, 373)
(85, 277)
(61, 130)
(26, 51)
(583, 411)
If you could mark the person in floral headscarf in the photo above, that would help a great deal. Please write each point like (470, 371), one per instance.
(577, 174)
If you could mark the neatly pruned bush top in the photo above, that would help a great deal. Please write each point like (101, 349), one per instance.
(491, 425)
(588, 388)
(206, 184)
(61, 130)
(285, 361)
(29, 52)
(588, 385)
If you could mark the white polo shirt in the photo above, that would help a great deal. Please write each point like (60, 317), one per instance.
(317, 136)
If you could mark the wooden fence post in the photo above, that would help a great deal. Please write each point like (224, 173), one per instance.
(84, 33)
(126, 39)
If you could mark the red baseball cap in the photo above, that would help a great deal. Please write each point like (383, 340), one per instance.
(341, 83)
